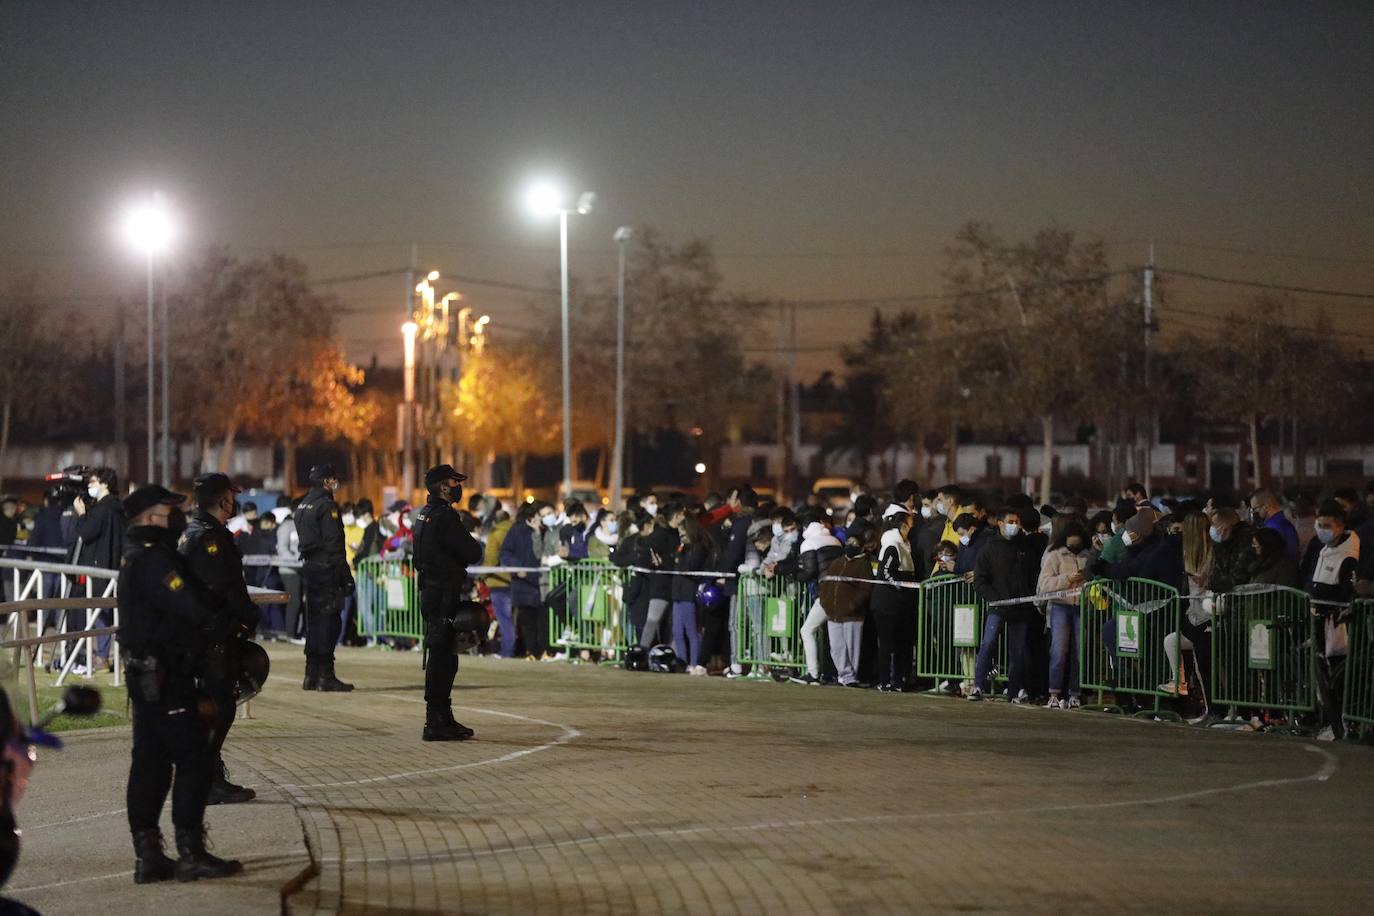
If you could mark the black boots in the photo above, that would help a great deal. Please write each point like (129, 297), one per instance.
(151, 864)
(224, 792)
(441, 726)
(195, 862)
(326, 679)
(312, 675)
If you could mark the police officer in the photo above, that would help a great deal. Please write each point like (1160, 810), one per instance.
(326, 577)
(213, 556)
(443, 549)
(168, 621)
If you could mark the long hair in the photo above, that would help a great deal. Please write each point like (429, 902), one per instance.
(696, 536)
(1197, 546)
(1073, 527)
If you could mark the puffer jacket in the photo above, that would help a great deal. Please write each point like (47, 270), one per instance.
(819, 548)
(1057, 568)
(491, 554)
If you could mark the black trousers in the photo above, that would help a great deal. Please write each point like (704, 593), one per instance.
(168, 738)
(530, 624)
(437, 605)
(715, 636)
(896, 645)
(323, 605)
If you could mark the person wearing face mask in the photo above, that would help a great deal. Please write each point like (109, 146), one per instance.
(785, 543)
(846, 603)
(1232, 555)
(443, 551)
(894, 607)
(605, 535)
(1328, 573)
(398, 533)
(326, 577)
(100, 536)
(1265, 510)
(974, 535)
(168, 622)
(1063, 568)
(209, 549)
(518, 550)
(289, 551)
(1008, 567)
(572, 537)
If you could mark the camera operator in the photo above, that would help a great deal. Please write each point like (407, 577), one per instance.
(100, 535)
(169, 621)
(210, 551)
(443, 549)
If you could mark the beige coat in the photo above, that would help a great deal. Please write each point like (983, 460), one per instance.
(1056, 568)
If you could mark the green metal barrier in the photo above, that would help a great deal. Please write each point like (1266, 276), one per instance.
(768, 624)
(387, 602)
(1359, 665)
(586, 611)
(1121, 630)
(1262, 650)
(949, 628)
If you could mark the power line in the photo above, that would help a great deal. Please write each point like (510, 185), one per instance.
(1256, 284)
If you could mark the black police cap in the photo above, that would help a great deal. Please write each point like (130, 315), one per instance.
(437, 475)
(145, 498)
(214, 484)
(322, 472)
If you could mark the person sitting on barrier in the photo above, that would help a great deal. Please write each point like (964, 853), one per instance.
(1195, 628)
(819, 548)
(1063, 568)
(1007, 568)
(974, 535)
(845, 603)
(1328, 571)
(894, 607)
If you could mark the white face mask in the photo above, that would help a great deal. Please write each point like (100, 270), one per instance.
(1116, 527)
(1128, 539)
(1010, 530)
(652, 509)
(964, 539)
(394, 518)
(611, 526)
(1047, 528)
(927, 512)
(348, 519)
(548, 521)
(94, 491)
(777, 529)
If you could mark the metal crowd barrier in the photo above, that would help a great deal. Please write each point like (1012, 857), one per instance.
(949, 630)
(587, 610)
(768, 622)
(42, 581)
(388, 603)
(1359, 665)
(1263, 651)
(1122, 625)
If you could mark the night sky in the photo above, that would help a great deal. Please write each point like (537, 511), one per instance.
(829, 151)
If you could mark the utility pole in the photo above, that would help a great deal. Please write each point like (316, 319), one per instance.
(408, 408)
(796, 396)
(1149, 395)
(166, 387)
(783, 448)
(622, 235)
(120, 433)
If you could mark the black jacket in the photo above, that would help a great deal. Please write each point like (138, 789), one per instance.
(165, 611)
(735, 549)
(928, 537)
(1008, 569)
(690, 558)
(663, 541)
(210, 551)
(101, 531)
(892, 599)
(1159, 558)
(370, 545)
(811, 563)
(443, 548)
(320, 534)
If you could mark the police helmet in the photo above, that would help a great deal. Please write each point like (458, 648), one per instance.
(253, 667)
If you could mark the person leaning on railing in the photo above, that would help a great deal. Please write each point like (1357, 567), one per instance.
(894, 607)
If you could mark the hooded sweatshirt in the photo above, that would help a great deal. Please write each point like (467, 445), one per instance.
(819, 548)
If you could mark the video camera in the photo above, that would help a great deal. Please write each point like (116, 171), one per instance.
(66, 485)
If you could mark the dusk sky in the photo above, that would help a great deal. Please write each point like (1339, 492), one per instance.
(828, 150)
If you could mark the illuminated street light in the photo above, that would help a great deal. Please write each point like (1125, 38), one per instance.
(546, 199)
(150, 228)
(701, 467)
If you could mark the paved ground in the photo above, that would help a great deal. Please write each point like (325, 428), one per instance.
(602, 791)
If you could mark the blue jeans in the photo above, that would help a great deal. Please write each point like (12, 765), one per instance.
(1064, 649)
(505, 620)
(1016, 653)
(685, 641)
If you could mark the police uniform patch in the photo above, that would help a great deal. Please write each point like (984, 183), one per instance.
(212, 548)
(174, 582)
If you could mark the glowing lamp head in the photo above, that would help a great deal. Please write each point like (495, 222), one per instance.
(545, 198)
(148, 226)
(701, 467)
(409, 328)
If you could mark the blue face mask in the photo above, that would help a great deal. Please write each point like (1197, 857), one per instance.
(1010, 530)
(1215, 534)
(1326, 535)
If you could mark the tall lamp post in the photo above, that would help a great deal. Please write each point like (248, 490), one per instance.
(149, 228)
(408, 414)
(546, 199)
(622, 236)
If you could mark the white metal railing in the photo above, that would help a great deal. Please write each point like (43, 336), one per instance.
(35, 610)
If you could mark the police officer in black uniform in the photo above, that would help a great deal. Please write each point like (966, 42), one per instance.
(168, 622)
(213, 556)
(443, 550)
(326, 577)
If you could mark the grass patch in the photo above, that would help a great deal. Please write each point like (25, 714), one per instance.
(112, 707)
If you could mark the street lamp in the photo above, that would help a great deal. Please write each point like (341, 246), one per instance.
(149, 228)
(408, 413)
(546, 199)
(622, 236)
